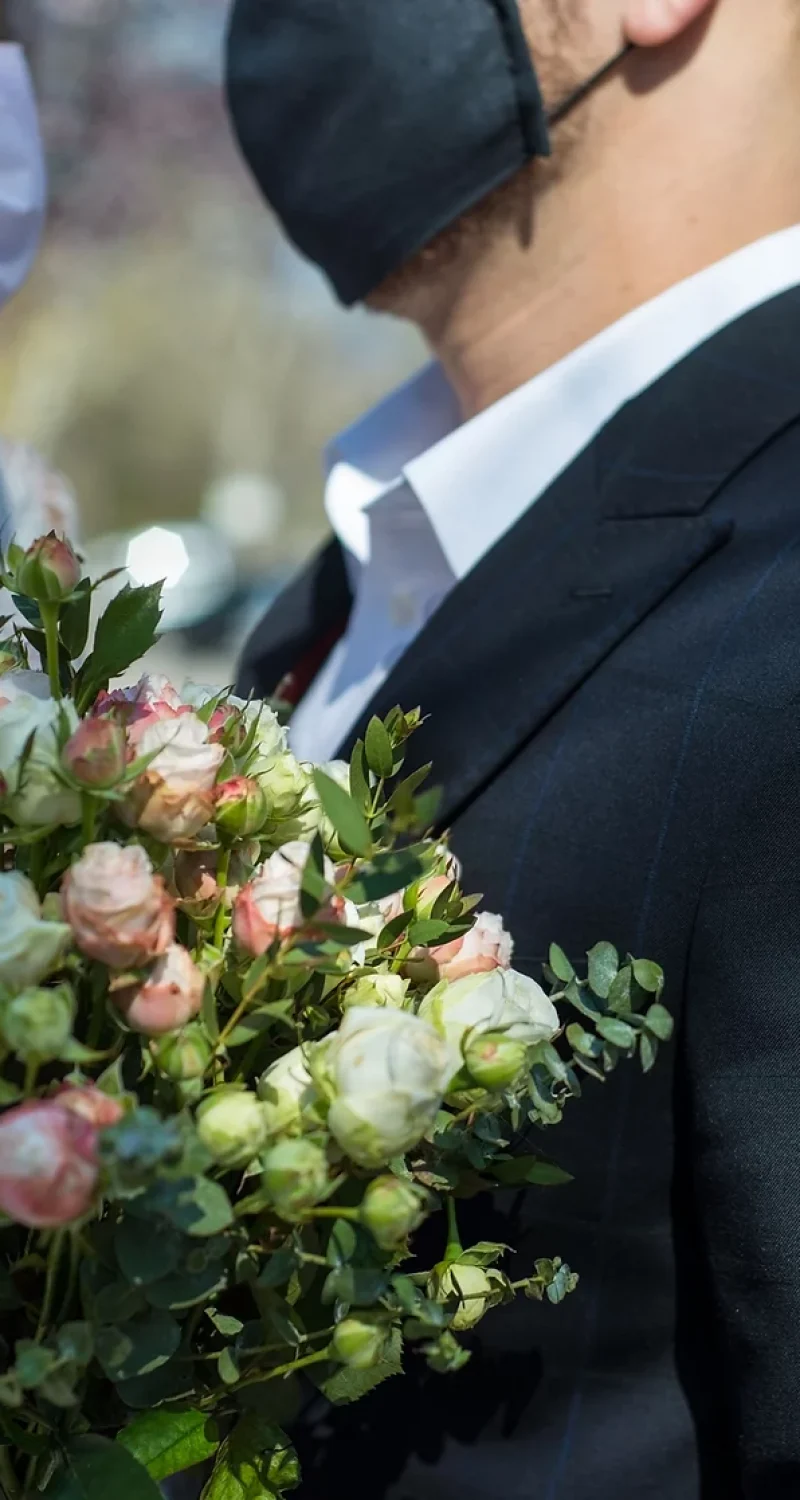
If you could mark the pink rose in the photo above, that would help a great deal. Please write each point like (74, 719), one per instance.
(91, 1104)
(95, 755)
(173, 798)
(170, 996)
(48, 1164)
(269, 906)
(485, 947)
(117, 908)
(150, 700)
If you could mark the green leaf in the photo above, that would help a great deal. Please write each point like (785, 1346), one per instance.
(184, 1289)
(619, 996)
(428, 931)
(402, 798)
(73, 620)
(227, 1367)
(359, 776)
(169, 1382)
(279, 1268)
(617, 1032)
(649, 975)
(380, 755)
(345, 814)
(224, 1323)
(522, 1169)
(96, 1468)
(141, 1346)
(33, 1363)
(603, 968)
(345, 1385)
(387, 873)
(197, 1205)
(342, 1243)
(257, 1462)
(394, 929)
(313, 886)
(167, 1442)
(583, 1042)
(9, 1093)
(660, 1022)
(143, 1258)
(648, 1052)
(560, 964)
(76, 1342)
(125, 631)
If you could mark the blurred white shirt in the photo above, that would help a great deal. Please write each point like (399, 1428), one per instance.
(417, 500)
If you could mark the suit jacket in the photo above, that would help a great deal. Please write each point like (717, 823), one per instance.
(613, 700)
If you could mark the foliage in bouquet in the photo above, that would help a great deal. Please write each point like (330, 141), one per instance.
(253, 1034)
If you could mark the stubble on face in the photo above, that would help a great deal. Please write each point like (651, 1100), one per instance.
(559, 35)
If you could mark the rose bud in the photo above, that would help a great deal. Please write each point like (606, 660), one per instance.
(360, 1340)
(494, 1060)
(296, 1176)
(195, 876)
(173, 798)
(269, 907)
(101, 1110)
(392, 1208)
(95, 755)
(485, 947)
(240, 807)
(170, 996)
(469, 1290)
(117, 908)
(502, 1001)
(183, 1057)
(376, 989)
(232, 1126)
(48, 1164)
(49, 571)
(31, 945)
(288, 1094)
(38, 1023)
(293, 810)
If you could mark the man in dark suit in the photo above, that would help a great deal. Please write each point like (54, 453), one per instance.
(575, 542)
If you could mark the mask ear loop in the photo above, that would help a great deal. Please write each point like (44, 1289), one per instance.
(568, 104)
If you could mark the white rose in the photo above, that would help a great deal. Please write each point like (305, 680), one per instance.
(29, 946)
(387, 1071)
(376, 989)
(502, 1001)
(288, 1093)
(36, 795)
(184, 756)
(294, 811)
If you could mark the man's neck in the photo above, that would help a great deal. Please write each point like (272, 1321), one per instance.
(680, 196)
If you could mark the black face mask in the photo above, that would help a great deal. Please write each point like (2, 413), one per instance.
(371, 125)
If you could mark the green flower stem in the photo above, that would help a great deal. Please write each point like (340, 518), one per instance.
(334, 1213)
(223, 870)
(280, 1371)
(53, 1259)
(49, 614)
(72, 1277)
(454, 1246)
(8, 1479)
(31, 1074)
(88, 818)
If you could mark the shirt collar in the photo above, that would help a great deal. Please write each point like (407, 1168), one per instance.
(515, 449)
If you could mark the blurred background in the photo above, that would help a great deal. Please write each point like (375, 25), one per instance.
(170, 355)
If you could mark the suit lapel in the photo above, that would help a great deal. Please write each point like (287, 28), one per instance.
(290, 644)
(602, 548)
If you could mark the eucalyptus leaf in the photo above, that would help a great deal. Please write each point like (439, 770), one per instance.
(617, 1032)
(387, 873)
(359, 776)
(139, 1347)
(649, 975)
(143, 1258)
(529, 1169)
(183, 1289)
(603, 968)
(660, 1022)
(560, 964)
(167, 1442)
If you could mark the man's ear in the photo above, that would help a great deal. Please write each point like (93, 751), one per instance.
(652, 23)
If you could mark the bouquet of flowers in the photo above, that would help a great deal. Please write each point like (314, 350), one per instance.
(252, 1034)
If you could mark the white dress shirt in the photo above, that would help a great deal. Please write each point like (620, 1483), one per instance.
(417, 499)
